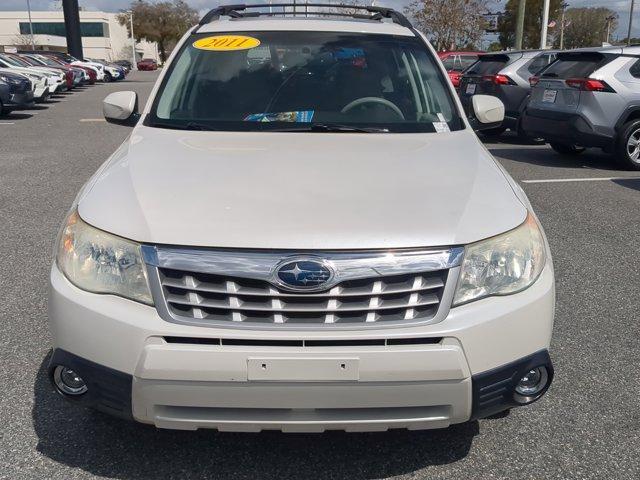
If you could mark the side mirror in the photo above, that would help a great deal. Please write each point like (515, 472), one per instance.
(121, 108)
(488, 112)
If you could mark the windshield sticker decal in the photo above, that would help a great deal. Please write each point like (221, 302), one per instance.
(304, 116)
(226, 43)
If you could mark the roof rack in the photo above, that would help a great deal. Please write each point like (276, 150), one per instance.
(373, 12)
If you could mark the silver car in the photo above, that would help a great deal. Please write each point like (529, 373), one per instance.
(589, 98)
(505, 75)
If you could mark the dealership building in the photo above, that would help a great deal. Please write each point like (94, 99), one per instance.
(102, 35)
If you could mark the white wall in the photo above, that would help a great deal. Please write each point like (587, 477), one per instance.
(114, 47)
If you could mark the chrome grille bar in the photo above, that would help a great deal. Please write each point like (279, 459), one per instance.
(237, 288)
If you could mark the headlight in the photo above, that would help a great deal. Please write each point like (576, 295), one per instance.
(12, 80)
(502, 265)
(99, 262)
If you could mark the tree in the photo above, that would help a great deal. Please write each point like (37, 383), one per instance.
(449, 23)
(587, 27)
(163, 22)
(532, 22)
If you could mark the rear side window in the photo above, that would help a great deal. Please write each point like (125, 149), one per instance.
(491, 64)
(635, 70)
(540, 62)
(576, 65)
(467, 60)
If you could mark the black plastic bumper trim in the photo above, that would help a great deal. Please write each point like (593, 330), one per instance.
(108, 390)
(493, 390)
(561, 127)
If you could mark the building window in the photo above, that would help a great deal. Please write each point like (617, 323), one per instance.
(87, 29)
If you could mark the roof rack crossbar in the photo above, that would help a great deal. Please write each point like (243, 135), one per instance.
(236, 11)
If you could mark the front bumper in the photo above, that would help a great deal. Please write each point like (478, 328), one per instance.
(20, 100)
(187, 377)
(563, 128)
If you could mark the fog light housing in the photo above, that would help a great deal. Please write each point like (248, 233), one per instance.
(68, 382)
(531, 385)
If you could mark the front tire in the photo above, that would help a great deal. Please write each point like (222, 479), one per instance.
(107, 77)
(627, 152)
(567, 149)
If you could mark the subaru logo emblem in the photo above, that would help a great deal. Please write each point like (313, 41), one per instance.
(304, 274)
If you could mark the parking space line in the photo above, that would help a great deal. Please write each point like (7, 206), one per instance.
(7, 123)
(92, 120)
(596, 179)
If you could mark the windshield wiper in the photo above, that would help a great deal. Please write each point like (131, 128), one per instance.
(180, 126)
(330, 128)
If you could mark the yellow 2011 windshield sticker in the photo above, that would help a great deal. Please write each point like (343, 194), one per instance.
(225, 43)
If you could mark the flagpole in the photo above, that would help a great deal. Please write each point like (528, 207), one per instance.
(545, 25)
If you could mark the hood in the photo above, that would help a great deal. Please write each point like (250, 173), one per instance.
(25, 71)
(301, 190)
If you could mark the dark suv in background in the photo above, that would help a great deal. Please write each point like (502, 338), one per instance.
(504, 75)
(15, 92)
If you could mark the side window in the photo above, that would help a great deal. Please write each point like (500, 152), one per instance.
(468, 60)
(449, 62)
(635, 70)
(538, 64)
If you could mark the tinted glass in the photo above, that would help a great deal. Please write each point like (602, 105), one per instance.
(490, 64)
(575, 65)
(467, 60)
(87, 29)
(308, 77)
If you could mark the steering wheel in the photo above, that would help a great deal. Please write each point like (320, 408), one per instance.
(381, 101)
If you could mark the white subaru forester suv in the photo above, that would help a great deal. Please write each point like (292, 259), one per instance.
(302, 233)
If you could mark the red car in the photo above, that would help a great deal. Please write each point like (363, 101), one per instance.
(147, 64)
(457, 62)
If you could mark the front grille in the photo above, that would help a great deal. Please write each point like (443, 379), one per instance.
(211, 297)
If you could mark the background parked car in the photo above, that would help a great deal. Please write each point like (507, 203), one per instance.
(589, 98)
(457, 62)
(20, 92)
(147, 64)
(17, 61)
(72, 77)
(504, 75)
(124, 63)
(45, 81)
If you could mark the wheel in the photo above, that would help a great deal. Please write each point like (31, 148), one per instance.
(107, 77)
(567, 149)
(4, 110)
(493, 132)
(627, 151)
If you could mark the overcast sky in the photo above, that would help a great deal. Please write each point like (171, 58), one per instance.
(620, 6)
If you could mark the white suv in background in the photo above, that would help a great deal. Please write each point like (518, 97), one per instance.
(302, 233)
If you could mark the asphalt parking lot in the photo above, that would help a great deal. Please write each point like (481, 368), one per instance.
(588, 425)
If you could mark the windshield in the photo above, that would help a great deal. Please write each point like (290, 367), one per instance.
(12, 61)
(48, 61)
(290, 78)
(32, 61)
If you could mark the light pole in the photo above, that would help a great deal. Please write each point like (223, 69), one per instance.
(545, 25)
(609, 20)
(564, 6)
(134, 65)
(33, 42)
(630, 22)
(522, 5)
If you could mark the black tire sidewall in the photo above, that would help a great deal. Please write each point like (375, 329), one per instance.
(566, 149)
(621, 154)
